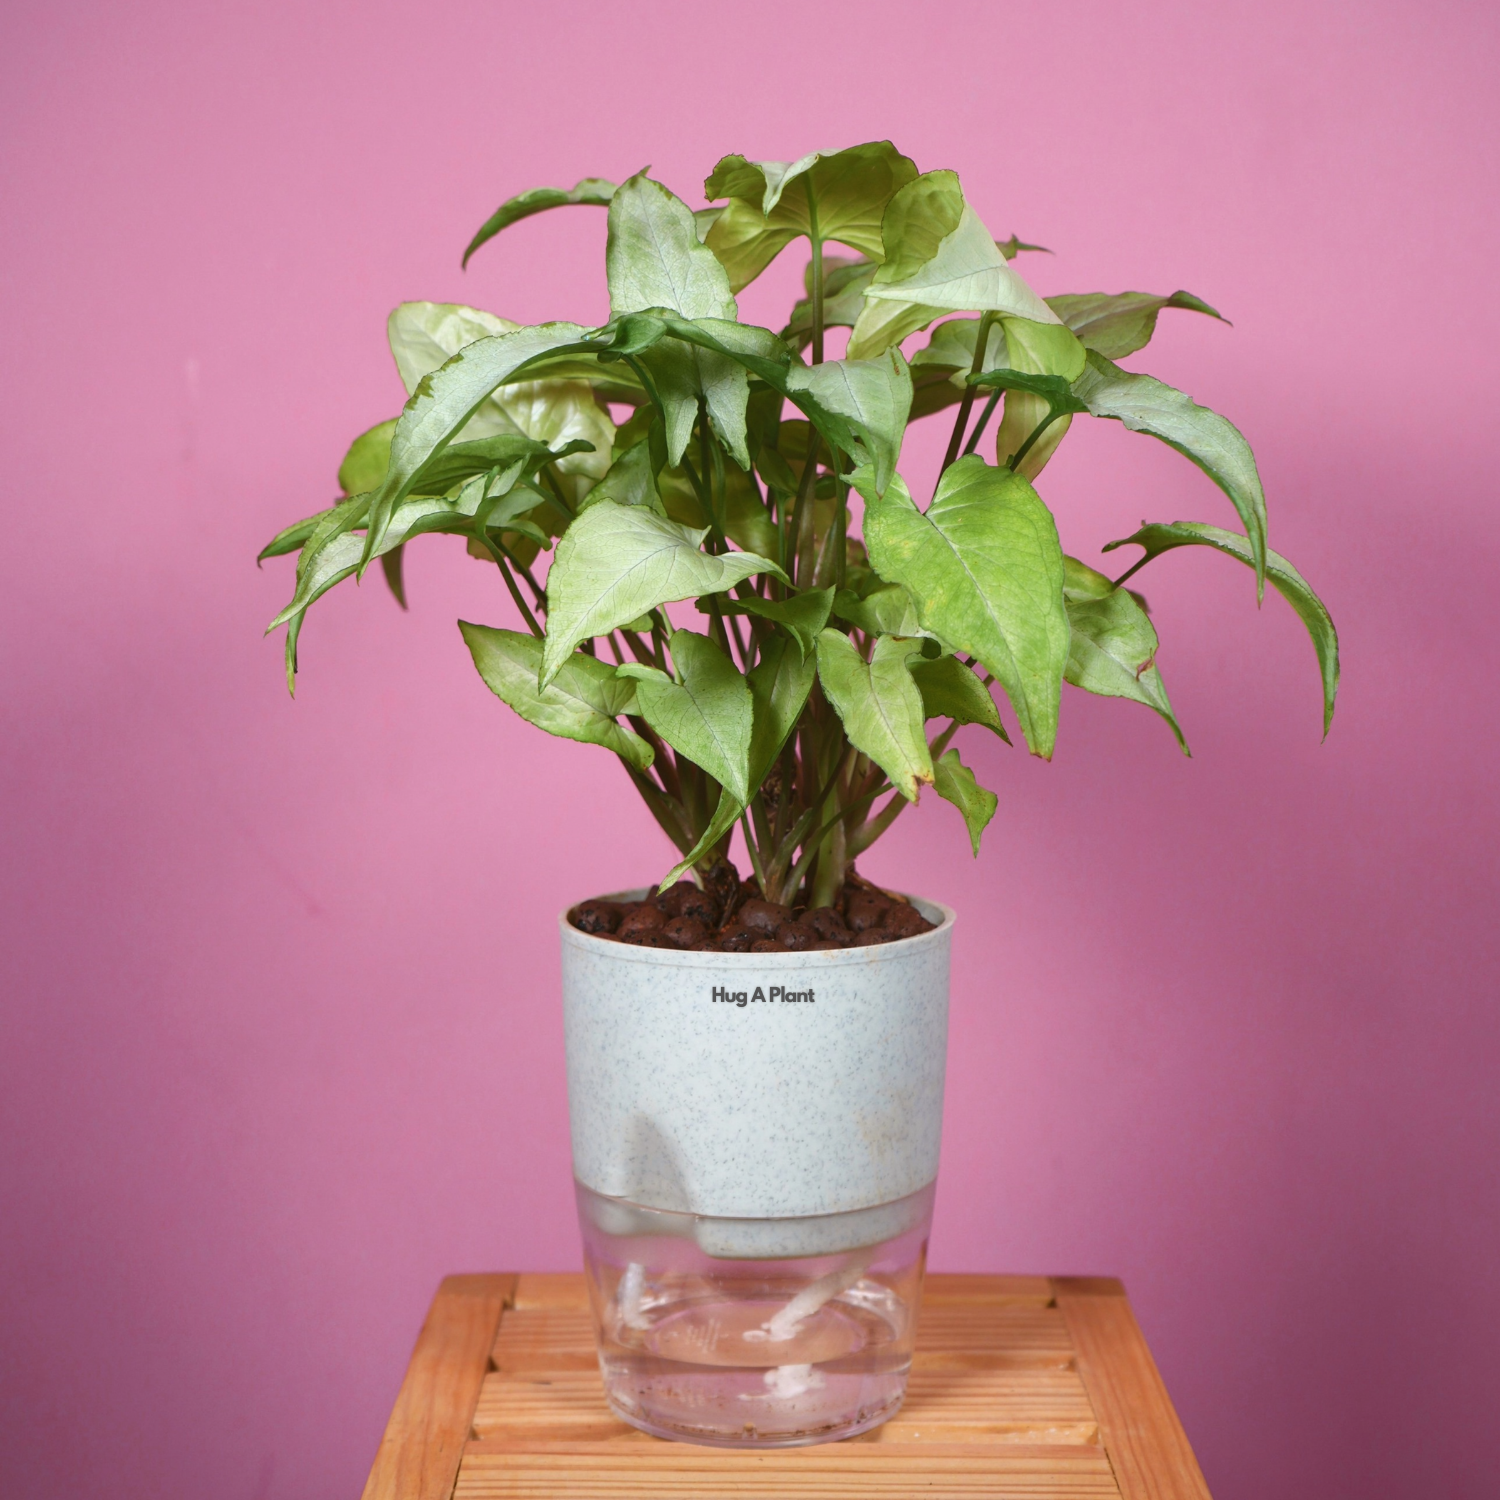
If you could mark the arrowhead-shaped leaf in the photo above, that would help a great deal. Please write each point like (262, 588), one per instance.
(581, 703)
(802, 616)
(654, 261)
(884, 609)
(866, 402)
(966, 273)
(1288, 582)
(879, 704)
(706, 716)
(616, 562)
(770, 203)
(444, 401)
(1212, 442)
(1112, 650)
(951, 691)
(779, 685)
(593, 191)
(954, 782)
(425, 335)
(984, 569)
(1119, 324)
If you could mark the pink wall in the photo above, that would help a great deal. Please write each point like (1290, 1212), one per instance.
(280, 1034)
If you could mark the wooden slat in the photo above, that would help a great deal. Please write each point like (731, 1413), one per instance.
(552, 1290)
(976, 1290)
(1137, 1422)
(999, 1404)
(419, 1455)
(545, 1339)
(673, 1471)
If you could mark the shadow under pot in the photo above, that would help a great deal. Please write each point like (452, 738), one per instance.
(755, 1145)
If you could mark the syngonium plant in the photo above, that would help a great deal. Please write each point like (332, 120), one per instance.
(795, 697)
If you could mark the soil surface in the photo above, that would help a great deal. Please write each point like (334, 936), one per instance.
(731, 916)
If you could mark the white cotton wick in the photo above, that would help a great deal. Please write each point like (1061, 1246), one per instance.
(785, 1324)
(793, 1380)
(629, 1295)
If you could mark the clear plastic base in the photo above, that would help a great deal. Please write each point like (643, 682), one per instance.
(742, 1352)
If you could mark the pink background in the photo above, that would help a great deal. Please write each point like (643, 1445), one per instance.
(280, 1036)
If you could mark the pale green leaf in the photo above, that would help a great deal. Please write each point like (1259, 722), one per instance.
(950, 690)
(444, 401)
(707, 715)
(616, 562)
(1045, 349)
(366, 461)
(654, 258)
(841, 197)
(582, 702)
(985, 570)
(593, 191)
(726, 815)
(1119, 324)
(557, 411)
(844, 283)
(967, 273)
(954, 782)
(865, 402)
(880, 609)
(1212, 442)
(1288, 582)
(1112, 649)
(879, 704)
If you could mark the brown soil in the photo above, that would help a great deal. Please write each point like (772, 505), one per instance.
(731, 916)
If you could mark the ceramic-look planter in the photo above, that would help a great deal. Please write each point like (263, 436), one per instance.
(755, 1140)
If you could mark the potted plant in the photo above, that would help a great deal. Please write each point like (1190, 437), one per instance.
(748, 608)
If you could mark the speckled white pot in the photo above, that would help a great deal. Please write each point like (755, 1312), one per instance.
(771, 1109)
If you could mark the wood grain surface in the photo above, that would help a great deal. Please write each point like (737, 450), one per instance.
(1022, 1388)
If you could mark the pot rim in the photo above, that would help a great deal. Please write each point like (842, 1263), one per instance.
(677, 958)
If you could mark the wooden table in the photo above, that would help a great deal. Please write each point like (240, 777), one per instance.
(1025, 1387)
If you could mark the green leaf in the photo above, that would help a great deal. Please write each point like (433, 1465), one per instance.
(951, 346)
(1035, 421)
(985, 570)
(862, 404)
(802, 616)
(879, 705)
(1013, 247)
(954, 782)
(707, 715)
(1288, 582)
(1209, 440)
(616, 562)
(779, 683)
(444, 401)
(654, 258)
(293, 537)
(654, 261)
(1117, 325)
(630, 480)
(582, 702)
(425, 335)
(965, 273)
(392, 565)
(366, 461)
(951, 691)
(594, 191)
(1112, 649)
(772, 203)
(884, 609)
(747, 523)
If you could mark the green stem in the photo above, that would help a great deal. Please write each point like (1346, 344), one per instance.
(967, 404)
(983, 422)
(1014, 461)
(817, 270)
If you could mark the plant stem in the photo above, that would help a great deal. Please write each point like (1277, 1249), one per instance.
(1014, 461)
(515, 592)
(817, 269)
(983, 422)
(966, 405)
